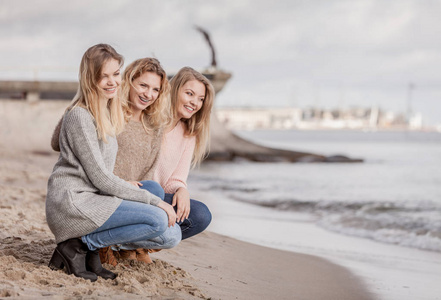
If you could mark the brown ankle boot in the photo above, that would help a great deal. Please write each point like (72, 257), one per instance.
(128, 254)
(153, 250)
(107, 256)
(143, 255)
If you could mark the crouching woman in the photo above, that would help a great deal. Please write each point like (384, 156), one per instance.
(87, 206)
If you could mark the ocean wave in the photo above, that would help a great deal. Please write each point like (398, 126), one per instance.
(416, 225)
(406, 233)
(396, 215)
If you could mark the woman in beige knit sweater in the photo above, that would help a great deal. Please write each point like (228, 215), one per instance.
(184, 142)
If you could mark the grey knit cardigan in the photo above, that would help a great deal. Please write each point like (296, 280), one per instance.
(82, 190)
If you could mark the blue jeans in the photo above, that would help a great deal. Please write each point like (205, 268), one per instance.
(198, 219)
(137, 225)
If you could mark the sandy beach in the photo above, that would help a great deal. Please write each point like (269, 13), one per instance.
(208, 266)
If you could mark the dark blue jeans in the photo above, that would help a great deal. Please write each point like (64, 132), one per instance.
(198, 219)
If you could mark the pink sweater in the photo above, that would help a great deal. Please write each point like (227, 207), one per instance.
(175, 159)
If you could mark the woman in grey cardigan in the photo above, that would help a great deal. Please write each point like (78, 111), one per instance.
(87, 206)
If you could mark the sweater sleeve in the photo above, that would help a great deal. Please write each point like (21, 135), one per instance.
(55, 141)
(82, 138)
(179, 176)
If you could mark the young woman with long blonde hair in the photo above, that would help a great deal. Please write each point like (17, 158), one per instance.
(185, 144)
(87, 206)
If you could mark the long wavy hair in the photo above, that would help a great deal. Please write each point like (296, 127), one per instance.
(199, 124)
(158, 113)
(109, 118)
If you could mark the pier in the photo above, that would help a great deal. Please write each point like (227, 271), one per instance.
(36, 90)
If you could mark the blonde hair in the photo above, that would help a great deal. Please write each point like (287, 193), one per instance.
(199, 124)
(158, 113)
(109, 118)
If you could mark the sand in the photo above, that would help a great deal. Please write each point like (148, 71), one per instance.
(208, 266)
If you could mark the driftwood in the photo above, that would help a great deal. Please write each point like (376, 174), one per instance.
(227, 146)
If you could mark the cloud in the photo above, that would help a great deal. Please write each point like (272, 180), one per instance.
(276, 50)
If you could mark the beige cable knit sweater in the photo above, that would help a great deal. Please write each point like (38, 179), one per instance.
(138, 152)
(83, 192)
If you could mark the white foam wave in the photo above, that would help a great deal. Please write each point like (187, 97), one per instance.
(408, 233)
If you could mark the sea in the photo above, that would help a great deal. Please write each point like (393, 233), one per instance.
(393, 196)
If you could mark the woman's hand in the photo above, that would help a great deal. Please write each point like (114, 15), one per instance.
(182, 199)
(135, 183)
(170, 212)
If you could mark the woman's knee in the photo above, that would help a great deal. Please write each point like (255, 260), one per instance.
(153, 187)
(160, 221)
(172, 237)
(202, 215)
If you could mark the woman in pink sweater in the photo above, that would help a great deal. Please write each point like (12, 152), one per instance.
(185, 145)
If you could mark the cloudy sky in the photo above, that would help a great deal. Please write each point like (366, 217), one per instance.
(326, 53)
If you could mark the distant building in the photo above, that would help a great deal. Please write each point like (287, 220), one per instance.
(259, 118)
(247, 118)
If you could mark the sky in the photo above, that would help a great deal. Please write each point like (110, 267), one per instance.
(322, 53)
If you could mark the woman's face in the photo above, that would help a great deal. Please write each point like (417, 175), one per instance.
(191, 97)
(144, 91)
(110, 79)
